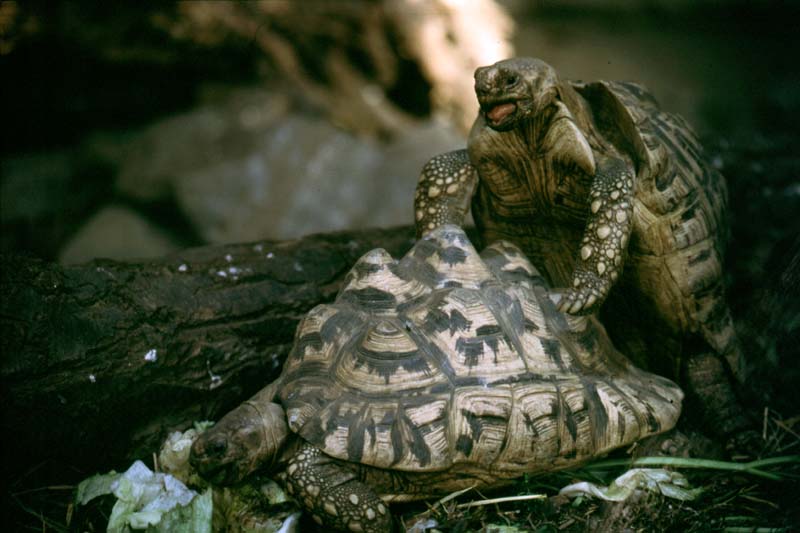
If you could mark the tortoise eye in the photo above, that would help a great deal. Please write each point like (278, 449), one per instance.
(512, 80)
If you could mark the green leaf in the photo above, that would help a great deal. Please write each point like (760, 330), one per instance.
(202, 425)
(670, 484)
(192, 518)
(173, 458)
(118, 521)
(157, 502)
(496, 528)
(98, 485)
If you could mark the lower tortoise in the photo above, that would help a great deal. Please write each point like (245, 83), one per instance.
(441, 371)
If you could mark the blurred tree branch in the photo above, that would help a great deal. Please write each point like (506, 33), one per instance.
(347, 57)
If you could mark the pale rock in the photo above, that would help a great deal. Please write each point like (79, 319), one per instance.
(116, 232)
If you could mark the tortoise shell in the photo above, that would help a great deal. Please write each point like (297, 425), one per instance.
(447, 356)
(612, 199)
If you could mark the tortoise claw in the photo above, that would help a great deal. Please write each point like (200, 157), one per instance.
(585, 296)
(580, 301)
(568, 301)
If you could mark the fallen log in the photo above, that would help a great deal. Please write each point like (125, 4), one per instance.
(101, 360)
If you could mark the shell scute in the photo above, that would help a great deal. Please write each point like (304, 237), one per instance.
(508, 263)
(385, 359)
(403, 434)
(315, 342)
(466, 331)
(446, 259)
(376, 283)
(480, 422)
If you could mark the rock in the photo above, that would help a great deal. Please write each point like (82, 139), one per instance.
(184, 143)
(116, 232)
(300, 177)
(306, 176)
(243, 169)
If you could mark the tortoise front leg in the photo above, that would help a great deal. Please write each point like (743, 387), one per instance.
(333, 494)
(604, 242)
(444, 191)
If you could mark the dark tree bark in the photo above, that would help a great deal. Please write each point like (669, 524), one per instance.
(101, 360)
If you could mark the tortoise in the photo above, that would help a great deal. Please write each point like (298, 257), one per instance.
(441, 371)
(602, 190)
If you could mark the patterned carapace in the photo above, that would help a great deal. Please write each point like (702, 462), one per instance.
(441, 371)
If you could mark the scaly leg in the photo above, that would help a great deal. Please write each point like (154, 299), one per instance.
(444, 191)
(605, 240)
(717, 406)
(332, 493)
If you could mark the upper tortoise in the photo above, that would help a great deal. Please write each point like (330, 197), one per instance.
(441, 371)
(611, 199)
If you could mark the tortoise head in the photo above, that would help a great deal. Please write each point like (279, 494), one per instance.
(513, 90)
(525, 90)
(243, 441)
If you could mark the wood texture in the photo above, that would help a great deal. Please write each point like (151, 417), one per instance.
(101, 360)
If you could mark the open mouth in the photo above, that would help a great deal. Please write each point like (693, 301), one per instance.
(496, 113)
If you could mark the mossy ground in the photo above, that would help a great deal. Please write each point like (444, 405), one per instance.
(730, 501)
